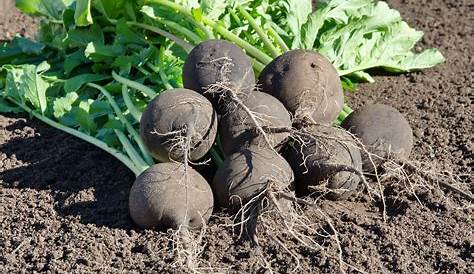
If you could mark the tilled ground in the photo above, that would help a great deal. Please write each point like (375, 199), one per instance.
(63, 203)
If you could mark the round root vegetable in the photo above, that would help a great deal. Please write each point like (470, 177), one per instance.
(237, 128)
(224, 73)
(249, 173)
(218, 63)
(170, 195)
(178, 124)
(306, 83)
(330, 156)
(383, 131)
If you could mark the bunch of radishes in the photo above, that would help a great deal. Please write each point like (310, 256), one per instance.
(276, 135)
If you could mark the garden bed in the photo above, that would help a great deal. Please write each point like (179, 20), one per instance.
(64, 203)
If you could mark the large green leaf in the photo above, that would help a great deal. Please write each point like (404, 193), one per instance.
(110, 8)
(98, 52)
(63, 105)
(52, 9)
(19, 47)
(6, 107)
(75, 83)
(26, 84)
(82, 15)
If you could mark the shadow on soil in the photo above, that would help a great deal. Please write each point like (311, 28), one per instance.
(85, 182)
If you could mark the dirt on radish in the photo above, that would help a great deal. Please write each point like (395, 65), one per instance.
(218, 61)
(330, 161)
(179, 122)
(392, 141)
(237, 129)
(306, 83)
(170, 195)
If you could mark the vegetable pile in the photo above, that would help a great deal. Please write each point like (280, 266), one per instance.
(257, 86)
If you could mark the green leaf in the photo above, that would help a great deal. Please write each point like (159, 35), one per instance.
(52, 9)
(100, 108)
(124, 35)
(63, 105)
(25, 84)
(357, 35)
(426, 59)
(298, 11)
(213, 9)
(124, 64)
(42, 67)
(109, 137)
(26, 45)
(74, 60)
(75, 83)
(68, 18)
(18, 47)
(79, 37)
(114, 124)
(28, 6)
(98, 52)
(52, 35)
(110, 8)
(83, 117)
(6, 107)
(82, 15)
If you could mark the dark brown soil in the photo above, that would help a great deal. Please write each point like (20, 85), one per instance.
(63, 203)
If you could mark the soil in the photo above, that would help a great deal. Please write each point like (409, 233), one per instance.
(63, 202)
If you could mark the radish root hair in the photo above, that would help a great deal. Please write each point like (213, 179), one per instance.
(233, 96)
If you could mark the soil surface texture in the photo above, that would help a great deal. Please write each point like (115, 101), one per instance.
(64, 203)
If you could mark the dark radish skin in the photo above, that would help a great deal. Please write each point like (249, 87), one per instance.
(170, 195)
(247, 173)
(332, 157)
(383, 131)
(218, 61)
(237, 130)
(172, 119)
(307, 84)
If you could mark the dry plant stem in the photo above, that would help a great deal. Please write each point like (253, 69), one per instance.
(377, 177)
(267, 265)
(292, 254)
(338, 242)
(252, 117)
(328, 220)
(225, 90)
(184, 238)
(297, 235)
(440, 180)
(301, 133)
